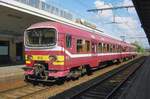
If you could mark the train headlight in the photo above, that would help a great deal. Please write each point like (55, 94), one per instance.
(52, 58)
(29, 57)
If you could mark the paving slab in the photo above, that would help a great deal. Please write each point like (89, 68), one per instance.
(11, 72)
(140, 88)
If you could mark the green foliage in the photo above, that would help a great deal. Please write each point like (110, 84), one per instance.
(139, 48)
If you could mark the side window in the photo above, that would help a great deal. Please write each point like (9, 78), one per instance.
(87, 45)
(100, 47)
(68, 40)
(79, 45)
(104, 48)
(93, 47)
(108, 48)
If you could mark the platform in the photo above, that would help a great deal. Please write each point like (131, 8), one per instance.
(11, 72)
(140, 86)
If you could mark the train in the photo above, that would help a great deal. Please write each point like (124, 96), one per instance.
(55, 50)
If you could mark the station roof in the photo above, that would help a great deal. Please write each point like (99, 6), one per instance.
(143, 10)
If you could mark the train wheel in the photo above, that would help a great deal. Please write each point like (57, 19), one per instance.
(126, 59)
(109, 63)
(83, 71)
(120, 60)
(76, 74)
(26, 79)
(89, 70)
(60, 81)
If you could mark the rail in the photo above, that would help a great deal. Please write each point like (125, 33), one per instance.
(22, 91)
(105, 87)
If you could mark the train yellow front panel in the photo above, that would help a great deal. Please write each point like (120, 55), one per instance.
(40, 57)
(60, 58)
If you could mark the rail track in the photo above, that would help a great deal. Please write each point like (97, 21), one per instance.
(106, 87)
(29, 91)
(21, 92)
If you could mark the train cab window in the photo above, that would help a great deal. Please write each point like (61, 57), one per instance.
(41, 37)
(68, 40)
(79, 45)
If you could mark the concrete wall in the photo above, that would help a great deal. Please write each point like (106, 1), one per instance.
(12, 47)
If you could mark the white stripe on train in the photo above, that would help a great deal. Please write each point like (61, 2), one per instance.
(59, 48)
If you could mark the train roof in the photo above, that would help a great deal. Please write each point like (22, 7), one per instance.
(108, 38)
(83, 27)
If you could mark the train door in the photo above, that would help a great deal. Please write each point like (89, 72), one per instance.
(94, 55)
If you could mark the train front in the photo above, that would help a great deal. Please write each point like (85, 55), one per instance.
(43, 54)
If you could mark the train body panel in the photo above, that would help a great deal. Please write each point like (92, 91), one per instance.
(56, 49)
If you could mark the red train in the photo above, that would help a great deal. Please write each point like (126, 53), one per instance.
(56, 50)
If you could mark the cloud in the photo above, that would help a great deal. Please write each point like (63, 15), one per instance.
(129, 2)
(101, 4)
(126, 22)
(129, 26)
(43, 0)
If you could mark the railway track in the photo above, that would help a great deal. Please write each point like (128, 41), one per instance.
(106, 87)
(21, 92)
(30, 91)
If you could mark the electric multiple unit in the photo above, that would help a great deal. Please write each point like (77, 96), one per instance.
(55, 50)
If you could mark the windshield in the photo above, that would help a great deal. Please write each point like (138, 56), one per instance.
(40, 37)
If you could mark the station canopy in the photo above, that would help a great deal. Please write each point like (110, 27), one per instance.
(143, 10)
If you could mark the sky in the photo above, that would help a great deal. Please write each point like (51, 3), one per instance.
(128, 23)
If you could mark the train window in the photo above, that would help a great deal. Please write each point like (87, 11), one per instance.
(108, 47)
(104, 48)
(79, 45)
(114, 48)
(87, 46)
(40, 37)
(117, 48)
(121, 49)
(100, 47)
(68, 40)
(94, 46)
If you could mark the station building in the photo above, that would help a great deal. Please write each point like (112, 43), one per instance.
(16, 16)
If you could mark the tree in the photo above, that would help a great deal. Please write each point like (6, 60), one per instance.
(139, 48)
